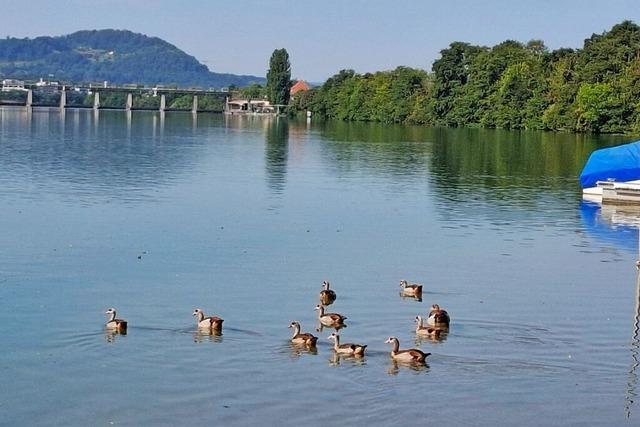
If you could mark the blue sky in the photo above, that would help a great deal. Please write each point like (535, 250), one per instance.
(322, 36)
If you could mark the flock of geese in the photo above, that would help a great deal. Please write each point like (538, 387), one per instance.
(437, 323)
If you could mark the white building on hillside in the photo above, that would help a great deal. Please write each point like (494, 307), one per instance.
(11, 84)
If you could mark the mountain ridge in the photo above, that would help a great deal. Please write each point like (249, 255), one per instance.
(119, 56)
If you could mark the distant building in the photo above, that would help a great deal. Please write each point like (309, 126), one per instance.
(47, 86)
(244, 106)
(299, 86)
(11, 84)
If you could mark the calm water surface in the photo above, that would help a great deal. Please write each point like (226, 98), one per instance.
(246, 217)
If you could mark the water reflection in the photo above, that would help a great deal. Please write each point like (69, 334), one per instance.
(417, 298)
(207, 335)
(321, 327)
(395, 365)
(110, 335)
(618, 225)
(337, 359)
(208, 200)
(632, 383)
(276, 153)
(441, 336)
(123, 154)
(297, 349)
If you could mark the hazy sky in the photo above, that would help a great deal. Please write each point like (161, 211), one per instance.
(322, 36)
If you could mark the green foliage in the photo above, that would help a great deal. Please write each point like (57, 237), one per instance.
(511, 85)
(253, 91)
(386, 96)
(279, 77)
(113, 55)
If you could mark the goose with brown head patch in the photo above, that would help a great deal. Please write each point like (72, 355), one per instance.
(426, 330)
(212, 322)
(327, 296)
(114, 324)
(409, 355)
(329, 319)
(410, 290)
(438, 316)
(347, 348)
(302, 338)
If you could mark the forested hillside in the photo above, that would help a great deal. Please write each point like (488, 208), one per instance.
(115, 55)
(511, 85)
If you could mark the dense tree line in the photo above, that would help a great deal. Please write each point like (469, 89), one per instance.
(113, 55)
(511, 85)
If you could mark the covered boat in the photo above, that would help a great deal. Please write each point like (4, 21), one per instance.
(613, 173)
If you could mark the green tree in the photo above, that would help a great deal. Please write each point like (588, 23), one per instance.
(594, 101)
(279, 77)
(510, 85)
(253, 91)
(562, 88)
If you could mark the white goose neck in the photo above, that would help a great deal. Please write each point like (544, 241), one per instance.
(296, 330)
(396, 345)
(336, 342)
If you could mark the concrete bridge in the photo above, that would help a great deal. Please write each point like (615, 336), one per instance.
(129, 90)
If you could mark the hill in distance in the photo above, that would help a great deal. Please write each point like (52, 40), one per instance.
(118, 56)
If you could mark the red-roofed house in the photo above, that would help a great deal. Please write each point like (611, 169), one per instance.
(299, 86)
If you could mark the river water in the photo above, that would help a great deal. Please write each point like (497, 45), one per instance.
(245, 217)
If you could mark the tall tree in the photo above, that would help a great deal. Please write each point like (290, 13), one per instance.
(279, 77)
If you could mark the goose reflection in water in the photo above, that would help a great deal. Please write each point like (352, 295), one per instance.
(321, 327)
(421, 339)
(417, 298)
(296, 350)
(336, 359)
(110, 335)
(395, 366)
(210, 335)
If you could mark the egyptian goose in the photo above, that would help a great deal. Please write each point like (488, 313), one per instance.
(327, 296)
(438, 316)
(299, 338)
(211, 322)
(329, 319)
(410, 355)
(117, 325)
(425, 330)
(348, 348)
(410, 290)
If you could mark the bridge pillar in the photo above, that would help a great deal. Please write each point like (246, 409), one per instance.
(29, 98)
(63, 99)
(163, 102)
(194, 108)
(96, 100)
(129, 101)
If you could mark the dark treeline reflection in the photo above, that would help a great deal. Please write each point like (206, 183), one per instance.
(400, 151)
(276, 153)
(122, 152)
(510, 170)
(490, 174)
(455, 160)
(482, 158)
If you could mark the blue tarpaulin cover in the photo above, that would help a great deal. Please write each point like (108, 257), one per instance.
(621, 163)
